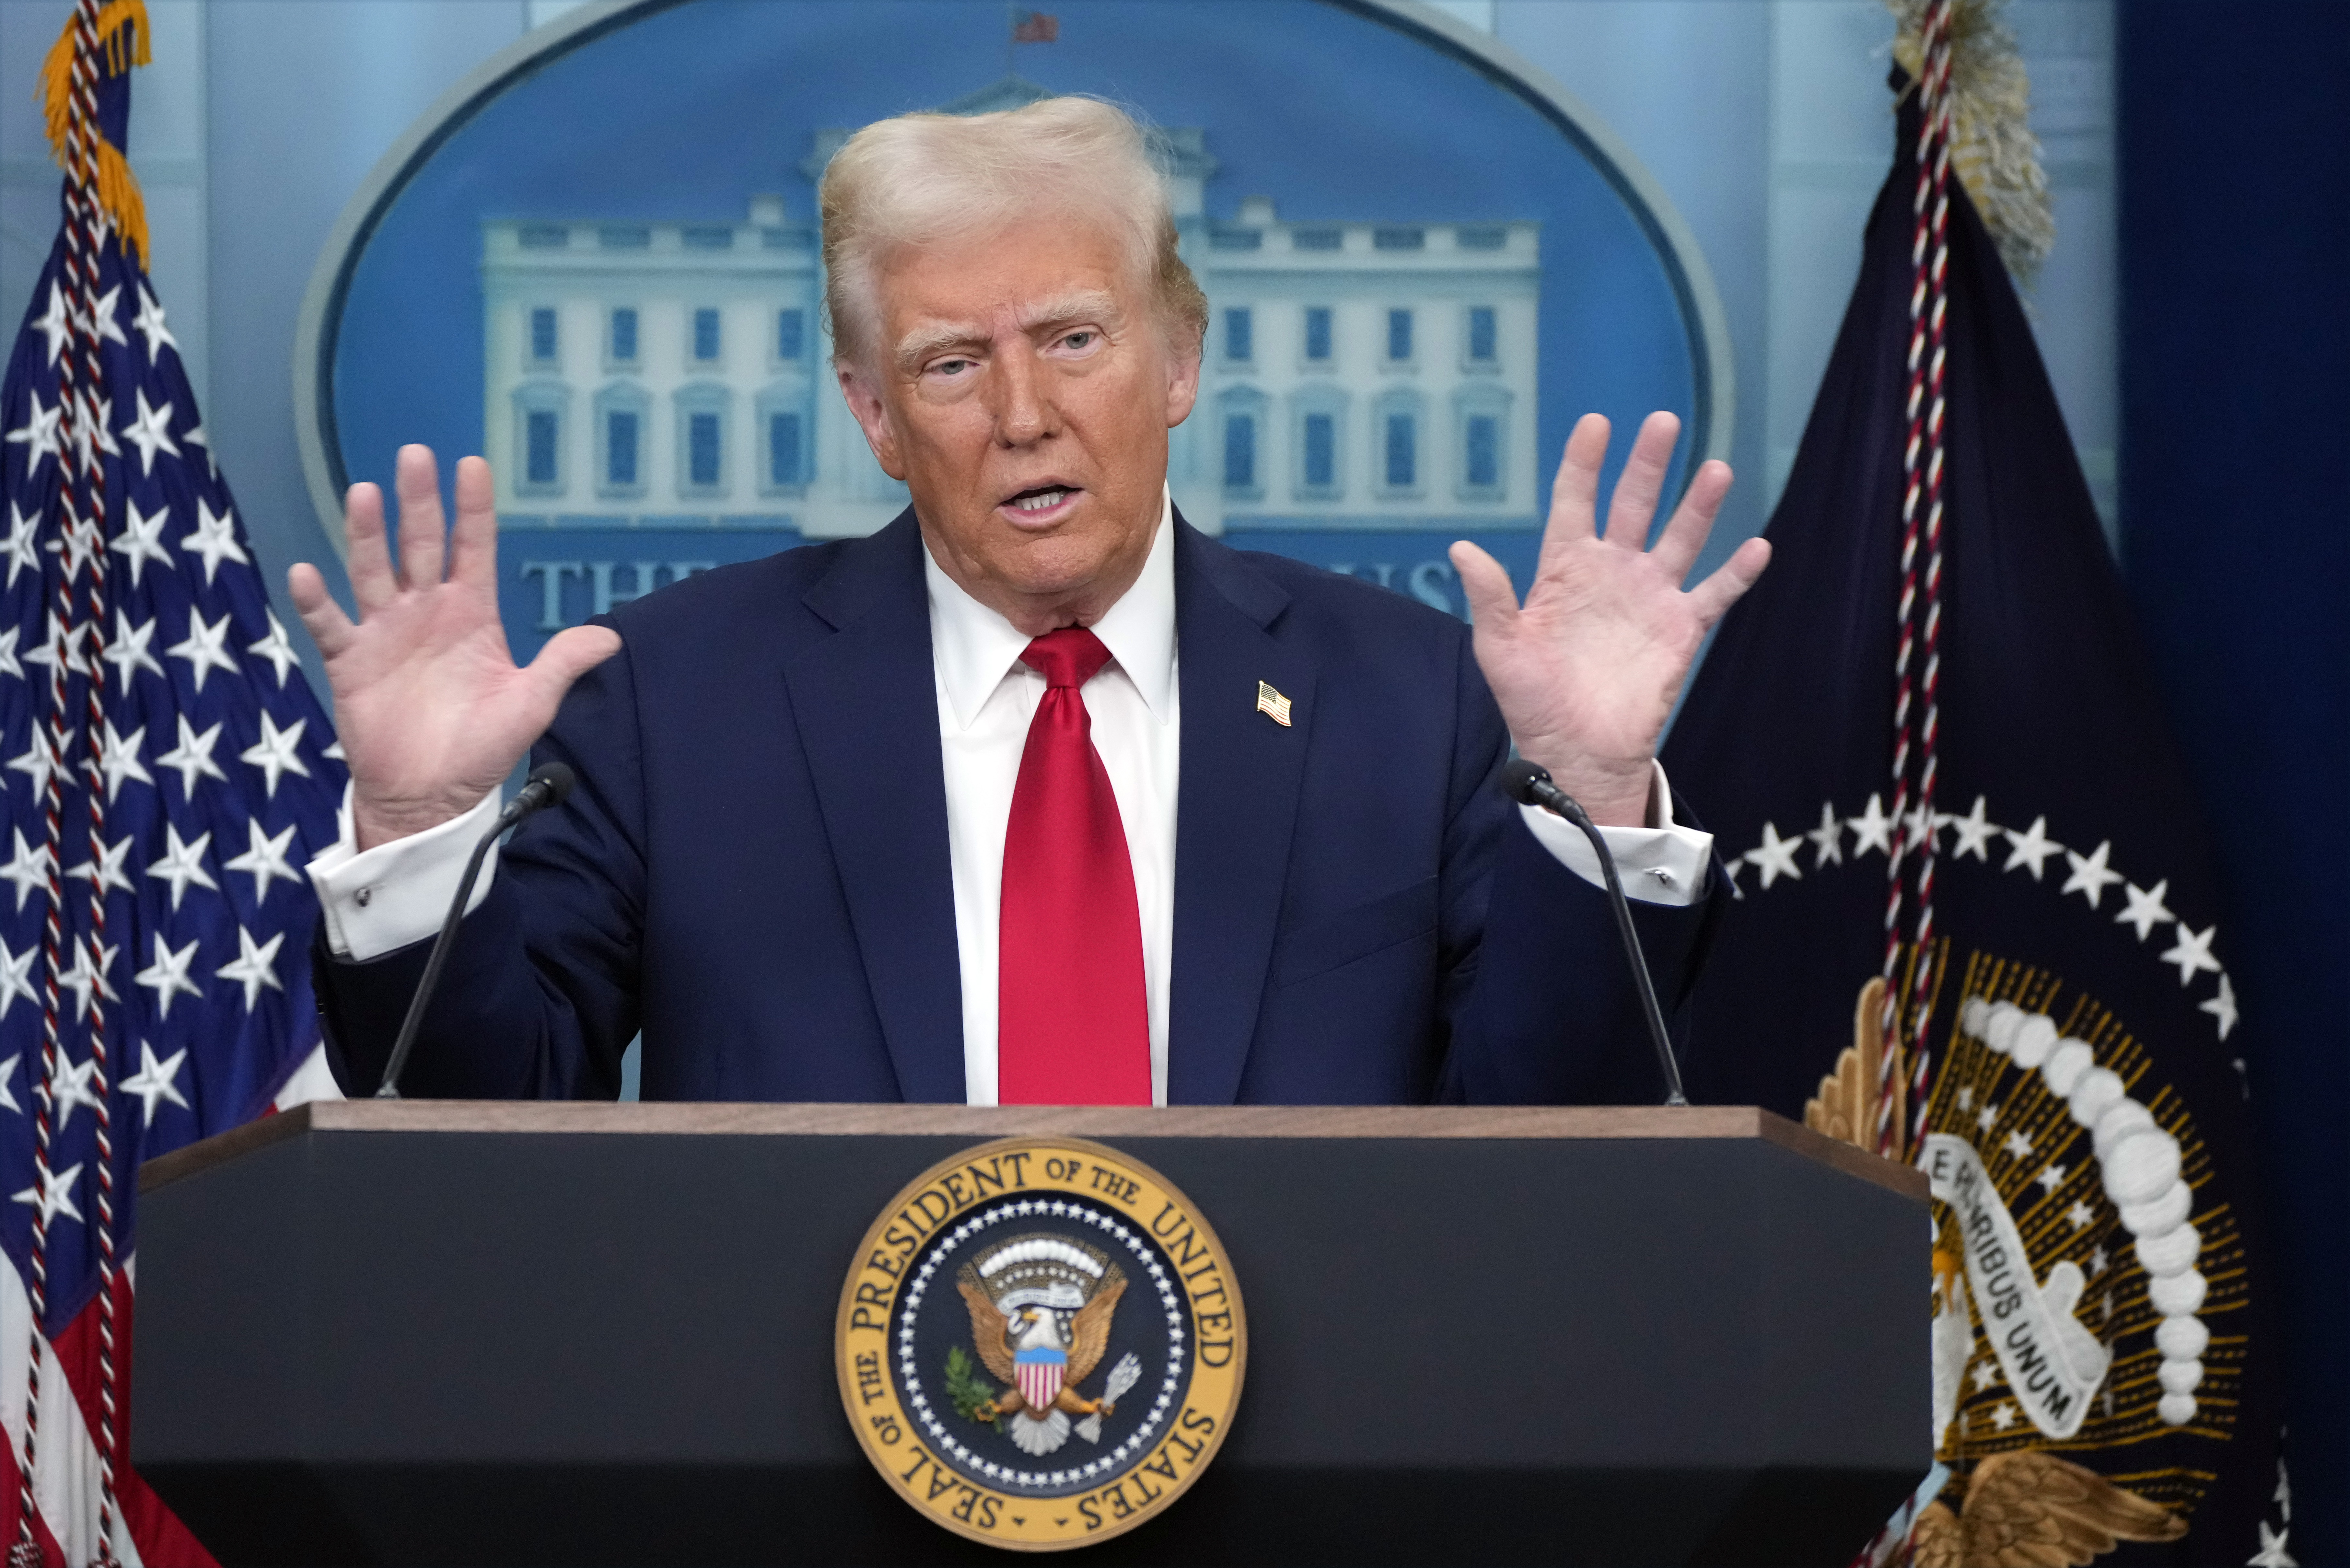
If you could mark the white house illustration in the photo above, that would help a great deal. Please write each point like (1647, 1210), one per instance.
(1376, 375)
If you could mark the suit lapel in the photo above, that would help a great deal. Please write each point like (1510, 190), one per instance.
(866, 702)
(1236, 810)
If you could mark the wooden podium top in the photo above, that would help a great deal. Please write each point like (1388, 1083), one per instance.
(1111, 1121)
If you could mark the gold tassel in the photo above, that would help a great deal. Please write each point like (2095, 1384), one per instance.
(123, 33)
(1992, 149)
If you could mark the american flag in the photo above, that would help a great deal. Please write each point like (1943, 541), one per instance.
(168, 773)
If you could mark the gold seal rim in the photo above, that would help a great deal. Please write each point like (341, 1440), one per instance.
(860, 1416)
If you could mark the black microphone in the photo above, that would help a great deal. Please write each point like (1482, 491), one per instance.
(1529, 784)
(549, 783)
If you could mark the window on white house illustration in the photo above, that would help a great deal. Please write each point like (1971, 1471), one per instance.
(538, 437)
(1401, 456)
(701, 441)
(621, 454)
(620, 427)
(705, 335)
(1398, 335)
(1239, 452)
(1321, 455)
(624, 336)
(540, 454)
(1481, 423)
(1484, 348)
(1239, 333)
(791, 334)
(701, 451)
(784, 450)
(1317, 334)
(1317, 427)
(544, 343)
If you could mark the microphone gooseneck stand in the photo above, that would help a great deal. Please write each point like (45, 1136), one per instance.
(1529, 784)
(549, 782)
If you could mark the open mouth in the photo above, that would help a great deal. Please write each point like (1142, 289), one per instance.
(1040, 501)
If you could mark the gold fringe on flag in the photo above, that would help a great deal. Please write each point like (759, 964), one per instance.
(123, 37)
(1993, 149)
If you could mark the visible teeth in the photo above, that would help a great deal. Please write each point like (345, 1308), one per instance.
(1040, 501)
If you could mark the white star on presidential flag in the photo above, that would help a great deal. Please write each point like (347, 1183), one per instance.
(2018, 1146)
(107, 872)
(156, 1081)
(274, 754)
(29, 870)
(55, 323)
(1872, 829)
(1775, 856)
(182, 862)
(265, 859)
(141, 541)
(2192, 952)
(127, 650)
(118, 759)
(69, 1087)
(2147, 909)
(1974, 831)
(2089, 878)
(24, 543)
(75, 543)
(1827, 838)
(214, 539)
(192, 757)
(98, 433)
(2080, 1214)
(254, 966)
(275, 649)
(37, 761)
(202, 648)
(8, 1096)
(15, 978)
(2030, 846)
(58, 1199)
(38, 433)
(103, 322)
(168, 975)
(2051, 1179)
(149, 323)
(150, 432)
(64, 644)
(2221, 1007)
(8, 664)
(82, 980)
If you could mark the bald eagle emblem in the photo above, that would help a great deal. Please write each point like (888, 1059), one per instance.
(1040, 1319)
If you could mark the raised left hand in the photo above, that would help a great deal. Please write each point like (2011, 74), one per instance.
(1587, 670)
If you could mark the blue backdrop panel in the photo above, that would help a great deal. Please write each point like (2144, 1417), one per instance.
(2235, 171)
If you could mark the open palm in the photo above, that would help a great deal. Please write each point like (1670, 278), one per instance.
(432, 711)
(1587, 668)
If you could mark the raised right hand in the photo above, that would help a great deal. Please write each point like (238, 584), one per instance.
(432, 711)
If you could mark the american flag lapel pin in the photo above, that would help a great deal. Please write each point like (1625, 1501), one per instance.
(1272, 704)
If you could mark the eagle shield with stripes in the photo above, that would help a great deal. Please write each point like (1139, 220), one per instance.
(1040, 1318)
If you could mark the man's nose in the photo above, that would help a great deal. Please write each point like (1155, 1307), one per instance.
(1023, 412)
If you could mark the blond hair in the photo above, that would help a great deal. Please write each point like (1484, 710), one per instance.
(923, 177)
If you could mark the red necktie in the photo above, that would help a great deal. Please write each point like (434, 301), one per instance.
(1073, 1027)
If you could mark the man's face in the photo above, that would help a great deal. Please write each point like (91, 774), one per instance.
(1023, 388)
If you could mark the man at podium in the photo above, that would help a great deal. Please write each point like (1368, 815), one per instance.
(1038, 794)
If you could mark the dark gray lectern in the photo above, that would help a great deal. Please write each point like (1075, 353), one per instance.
(460, 1333)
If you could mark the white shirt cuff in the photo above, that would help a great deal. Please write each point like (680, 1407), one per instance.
(1663, 863)
(379, 901)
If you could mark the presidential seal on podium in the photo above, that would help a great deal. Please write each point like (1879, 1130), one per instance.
(1040, 1344)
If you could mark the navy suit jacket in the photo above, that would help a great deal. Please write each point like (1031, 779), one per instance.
(753, 869)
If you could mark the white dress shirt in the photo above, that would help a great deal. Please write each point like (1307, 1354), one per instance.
(395, 894)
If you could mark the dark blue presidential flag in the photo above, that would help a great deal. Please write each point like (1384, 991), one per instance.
(1975, 925)
(168, 771)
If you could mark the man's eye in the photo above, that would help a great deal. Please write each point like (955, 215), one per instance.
(952, 367)
(1079, 340)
